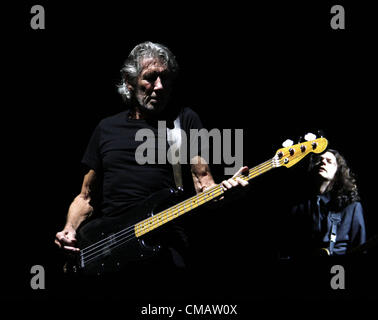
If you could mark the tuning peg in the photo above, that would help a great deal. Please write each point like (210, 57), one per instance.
(321, 133)
(310, 136)
(287, 143)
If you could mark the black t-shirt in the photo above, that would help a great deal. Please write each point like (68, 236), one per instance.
(111, 153)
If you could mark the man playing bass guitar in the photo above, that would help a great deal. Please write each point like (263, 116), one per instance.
(147, 82)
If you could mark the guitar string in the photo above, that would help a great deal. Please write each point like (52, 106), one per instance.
(168, 209)
(128, 234)
(112, 246)
(258, 167)
(252, 173)
(131, 235)
(173, 208)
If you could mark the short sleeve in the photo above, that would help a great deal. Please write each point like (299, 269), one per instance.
(91, 156)
(197, 136)
(190, 120)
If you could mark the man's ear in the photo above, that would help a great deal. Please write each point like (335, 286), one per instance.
(129, 86)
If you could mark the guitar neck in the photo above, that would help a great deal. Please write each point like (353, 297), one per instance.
(181, 208)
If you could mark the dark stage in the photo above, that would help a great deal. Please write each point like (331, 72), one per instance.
(274, 70)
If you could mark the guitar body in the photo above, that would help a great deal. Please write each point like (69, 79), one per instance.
(108, 244)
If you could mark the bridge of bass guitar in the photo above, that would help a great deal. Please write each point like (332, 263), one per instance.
(110, 251)
(109, 244)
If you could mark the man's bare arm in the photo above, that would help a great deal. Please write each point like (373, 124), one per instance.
(202, 177)
(79, 210)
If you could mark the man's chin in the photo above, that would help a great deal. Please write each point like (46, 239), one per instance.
(153, 108)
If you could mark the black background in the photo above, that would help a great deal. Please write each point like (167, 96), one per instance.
(275, 70)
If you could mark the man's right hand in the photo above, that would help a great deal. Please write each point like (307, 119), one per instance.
(66, 239)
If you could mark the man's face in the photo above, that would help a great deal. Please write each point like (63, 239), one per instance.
(153, 86)
(328, 166)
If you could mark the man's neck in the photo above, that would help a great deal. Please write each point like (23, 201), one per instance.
(136, 114)
(323, 186)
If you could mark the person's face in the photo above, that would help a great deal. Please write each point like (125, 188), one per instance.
(328, 166)
(153, 86)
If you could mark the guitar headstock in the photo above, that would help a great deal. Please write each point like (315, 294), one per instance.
(289, 155)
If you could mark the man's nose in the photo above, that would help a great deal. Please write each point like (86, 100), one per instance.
(158, 85)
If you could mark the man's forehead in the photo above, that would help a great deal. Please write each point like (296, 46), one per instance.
(153, 64)
(328, 155)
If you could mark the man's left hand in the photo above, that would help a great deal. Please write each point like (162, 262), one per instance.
(236, 180)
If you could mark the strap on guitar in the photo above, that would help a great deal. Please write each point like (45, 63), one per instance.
(174, 141)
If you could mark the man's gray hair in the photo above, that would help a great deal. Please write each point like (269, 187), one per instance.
(132, 66)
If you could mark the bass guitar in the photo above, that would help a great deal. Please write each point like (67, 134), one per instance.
(108, 244)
